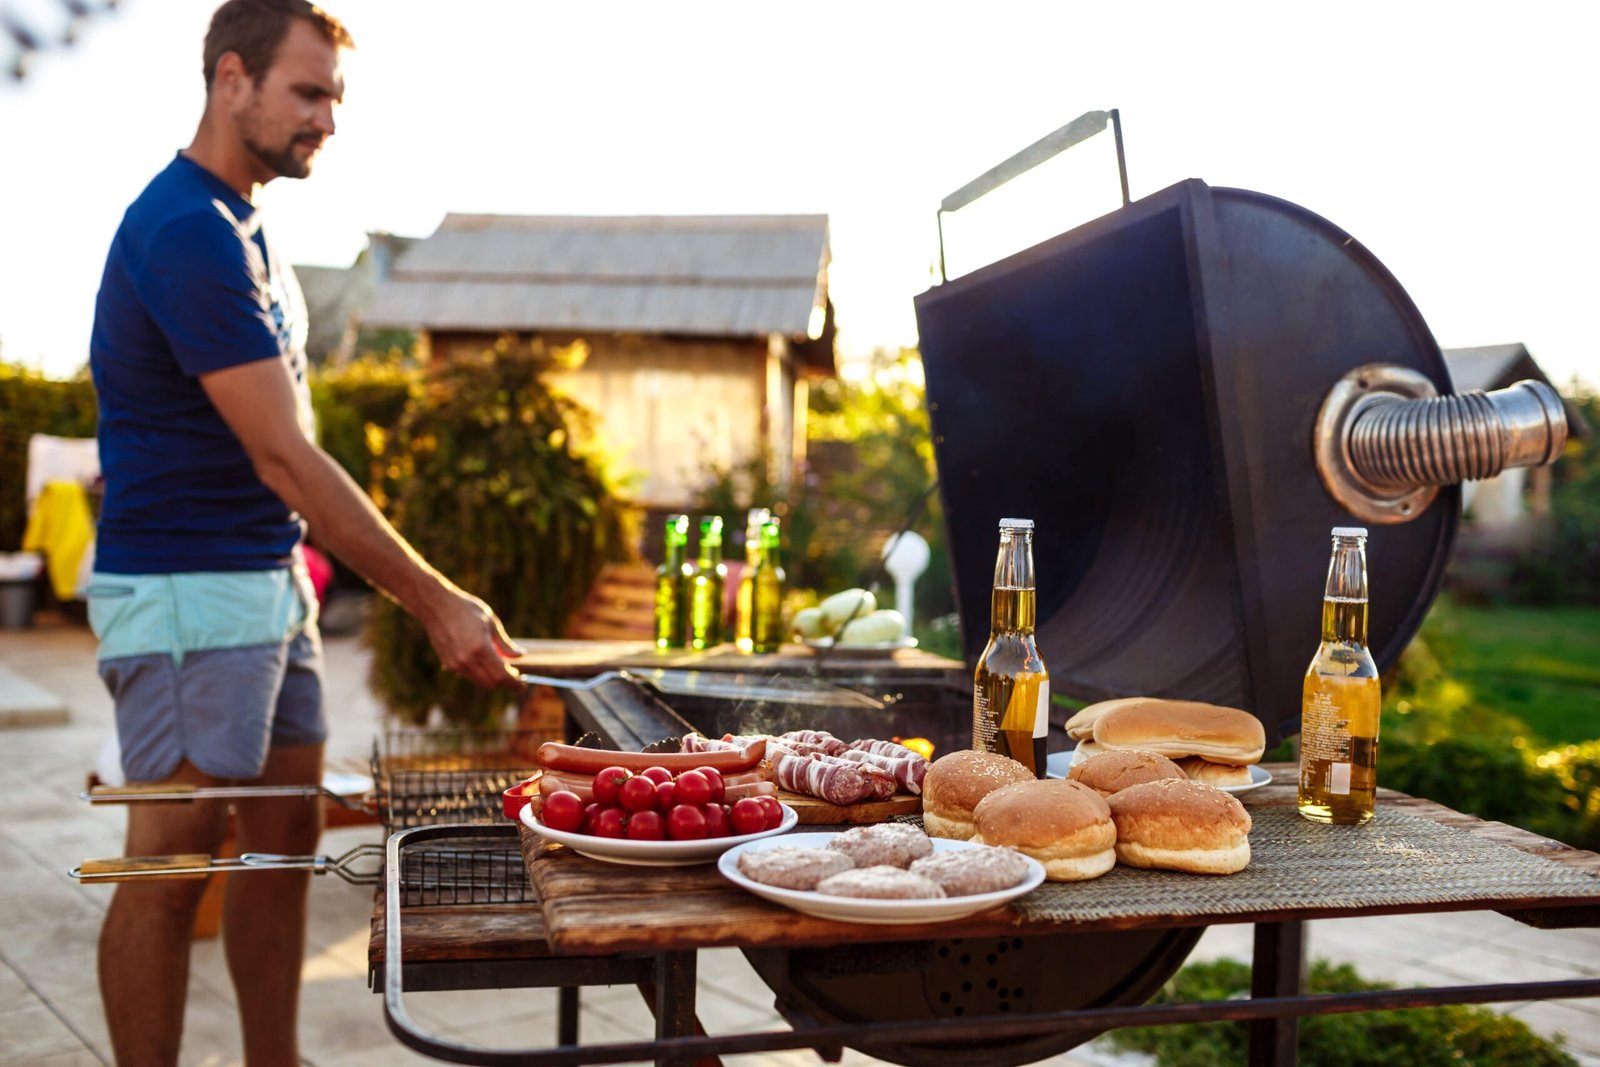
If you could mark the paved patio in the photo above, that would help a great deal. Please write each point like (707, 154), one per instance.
(50, 1009)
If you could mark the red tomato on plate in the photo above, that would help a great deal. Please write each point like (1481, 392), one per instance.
(685, 823)
(646, 826)
(694, 789)
(718, 787)
(717, 824)
(563, 811)
(637, 794)
(747, 816)
(608, 783)
(773, 809)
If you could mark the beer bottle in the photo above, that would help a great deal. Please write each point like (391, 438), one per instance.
(756, 518)
(672, 586)
(1341, 698)
(766, 593)
(707, 580)
(1011, 687)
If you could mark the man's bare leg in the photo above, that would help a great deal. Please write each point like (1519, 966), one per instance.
(264, 914)
(144, 942)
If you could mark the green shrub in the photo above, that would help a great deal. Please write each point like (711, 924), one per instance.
(30, 403)
(1438, 742)
(482, 475)
(1565, 567)
(1451, 1036)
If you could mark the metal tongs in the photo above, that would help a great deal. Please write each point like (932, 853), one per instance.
(718, 685)
(199, 865)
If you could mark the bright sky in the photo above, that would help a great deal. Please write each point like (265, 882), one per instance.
(1455, 140)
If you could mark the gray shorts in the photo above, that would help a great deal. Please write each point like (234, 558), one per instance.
(221, 709)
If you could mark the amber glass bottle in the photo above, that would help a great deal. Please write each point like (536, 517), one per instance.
(1011, 687)
(1341, 697)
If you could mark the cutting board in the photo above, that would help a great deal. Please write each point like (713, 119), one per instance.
(814, 812)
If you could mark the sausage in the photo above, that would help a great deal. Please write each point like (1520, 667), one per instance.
(555, 756)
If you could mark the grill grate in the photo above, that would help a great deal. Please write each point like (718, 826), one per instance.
(432, 777)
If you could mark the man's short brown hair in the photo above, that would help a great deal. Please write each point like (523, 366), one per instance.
(255, 28)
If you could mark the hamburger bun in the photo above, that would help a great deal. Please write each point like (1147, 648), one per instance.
(1221, 775)
(1064, 825)
(954, 784)
(1088, 748)
(1179, 825)
(1110, 772)
(1176, 728)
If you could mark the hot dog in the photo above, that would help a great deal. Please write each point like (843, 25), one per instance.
(555, 756)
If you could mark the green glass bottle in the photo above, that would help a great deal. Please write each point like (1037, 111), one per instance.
(766, 593)
(754, 521)
(707, 580)
(672, 586)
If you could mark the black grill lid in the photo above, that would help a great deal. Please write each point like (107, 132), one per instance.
(1145, 388)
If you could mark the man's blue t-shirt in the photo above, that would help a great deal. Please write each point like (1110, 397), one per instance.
(191, 285)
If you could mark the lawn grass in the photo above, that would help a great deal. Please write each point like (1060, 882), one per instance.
(1540, 664)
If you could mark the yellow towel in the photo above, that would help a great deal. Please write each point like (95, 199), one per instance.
(61, 527)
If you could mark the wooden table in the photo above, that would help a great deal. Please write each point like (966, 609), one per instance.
(650, 922)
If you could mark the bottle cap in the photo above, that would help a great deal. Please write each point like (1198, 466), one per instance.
(1349, 531)
(1016, 524)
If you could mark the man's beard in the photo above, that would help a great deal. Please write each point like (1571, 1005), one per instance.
(281, 161)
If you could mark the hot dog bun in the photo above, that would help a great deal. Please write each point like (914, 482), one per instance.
(1221, 775)
(1177, 728)
(1064, 825)
(1180, 826)
(956, 782)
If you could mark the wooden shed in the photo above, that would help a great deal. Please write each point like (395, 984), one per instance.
(702, 330)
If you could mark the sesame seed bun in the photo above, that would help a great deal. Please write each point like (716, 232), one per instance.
(956, 782)
(1179, 825)
(1110, 772)
(1064, 825)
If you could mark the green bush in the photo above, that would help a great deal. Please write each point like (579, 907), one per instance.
(1452, 1036)
(30, 403)
(1565, 567)
(482, 475)
(872, 458)
(1437, 742)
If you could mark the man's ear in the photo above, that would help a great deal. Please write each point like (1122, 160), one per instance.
(230, 76)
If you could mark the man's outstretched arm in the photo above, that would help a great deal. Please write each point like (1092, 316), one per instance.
(257, 400)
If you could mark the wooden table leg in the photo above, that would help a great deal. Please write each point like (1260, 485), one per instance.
(1277, 970)
(673, 1001)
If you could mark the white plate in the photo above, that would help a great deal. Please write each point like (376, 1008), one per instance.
(1057, 764)
(652, 853)
(873, 649)
(859, 910)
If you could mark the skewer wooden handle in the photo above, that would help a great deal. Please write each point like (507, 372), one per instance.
(134, 792)
(124, 868)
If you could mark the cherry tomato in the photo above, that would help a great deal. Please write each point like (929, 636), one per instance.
(718, 787)
(717, 824)
(563, 811)
(666, 796)
(694, 788)
(658, 775)
(610, 822)
(637, 794)
(646, 826)
(608, 783)
(747, 816)
(773, 809)
(686, 823)
(591, 812)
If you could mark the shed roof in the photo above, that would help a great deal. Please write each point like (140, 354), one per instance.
(743, 275)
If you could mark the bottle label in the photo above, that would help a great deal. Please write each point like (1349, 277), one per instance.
(1339, 779)
(1041, 711)
(1325, 732)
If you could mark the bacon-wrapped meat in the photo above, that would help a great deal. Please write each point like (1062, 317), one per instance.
(907, 772)
(886, 748)
(701, 743)
(821, 739)
(839, 782)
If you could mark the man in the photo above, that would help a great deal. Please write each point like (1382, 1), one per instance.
(208, 635)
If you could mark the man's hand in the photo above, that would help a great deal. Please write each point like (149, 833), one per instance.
(470, 640)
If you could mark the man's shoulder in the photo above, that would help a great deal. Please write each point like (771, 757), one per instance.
(179, 202)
